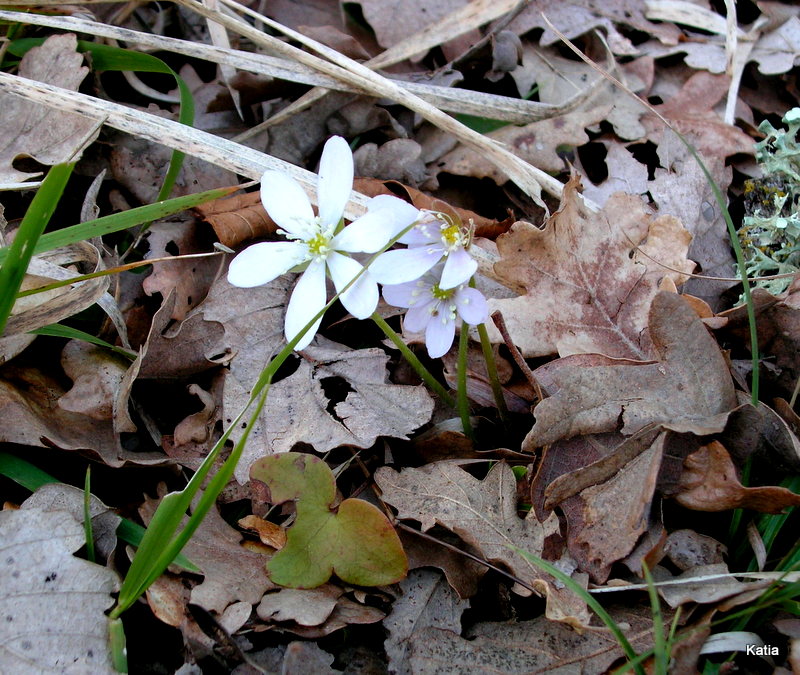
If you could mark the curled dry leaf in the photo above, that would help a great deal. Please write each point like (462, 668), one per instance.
(268, 532)
(778, 332)
(586, 280)
(31, 416)
(688, 390)
(691, 112)
(238, 218)
(96, 375)
(687, 549)
(461, 572)
(307, 607)
(710, 483)
(538, 143)
(606, 520)
(32, 130)
(693, 587)
(42, 309)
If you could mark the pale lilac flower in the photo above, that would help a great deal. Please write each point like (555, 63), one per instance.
(319, 243)
(434, 309)
(438, 236)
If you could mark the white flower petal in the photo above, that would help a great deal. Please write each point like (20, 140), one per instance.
(367, 234)
(398, 267)
(335, 180)
(261, 263)
(418, 317)
(406, 295)
(307, 299)
(439, 336)
(287, 204)
(362, 297)
(458, 269)
(428, 232)
(403, 213)
(471, 306)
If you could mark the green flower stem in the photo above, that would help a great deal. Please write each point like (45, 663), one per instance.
(461, 379)
(491, 369)
(164, 538)
(415, 363)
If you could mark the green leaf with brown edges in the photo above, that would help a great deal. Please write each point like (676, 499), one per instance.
(356, 541)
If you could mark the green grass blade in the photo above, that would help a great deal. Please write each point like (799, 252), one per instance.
(32, 478)
(87, 515)
(23, 247)
(24, 473)
(660, 647)
(121, 221)
(163, 541)
(598, 609)
(433, 384)
(109, 58)
(117, 642)
(461, 382)
(57, 330)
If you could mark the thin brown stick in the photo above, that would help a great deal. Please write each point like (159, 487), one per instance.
(497, 317)
(466, 554)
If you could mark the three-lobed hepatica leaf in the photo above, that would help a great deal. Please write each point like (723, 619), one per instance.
(356, 542)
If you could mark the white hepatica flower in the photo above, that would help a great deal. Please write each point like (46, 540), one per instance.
(434, 309)
(319, 242)
(439, 236)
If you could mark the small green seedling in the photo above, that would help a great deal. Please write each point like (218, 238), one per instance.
(356, 541)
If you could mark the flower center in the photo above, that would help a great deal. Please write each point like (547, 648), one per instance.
(451, 236)
(442, 293)
(319, 246)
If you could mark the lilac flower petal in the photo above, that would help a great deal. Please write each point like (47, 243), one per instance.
(419, 316)
(335, 180)
(405, 295)
(439, 336)
(362, 297)
(287, 204)
(398, 267)
(367, 234)
(458, 269)
(471, 306)
(261, 263)
(307, 299)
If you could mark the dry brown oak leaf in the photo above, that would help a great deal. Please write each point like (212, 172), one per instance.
(688, 390)
(586, 280)
(337, 396)
(482, 512)
(35, 130)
